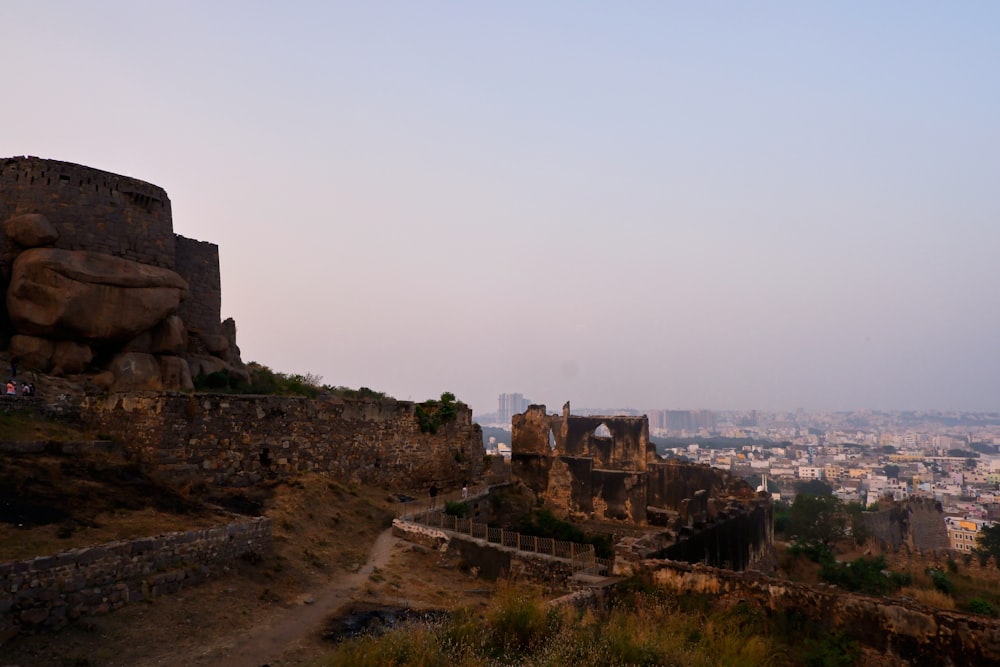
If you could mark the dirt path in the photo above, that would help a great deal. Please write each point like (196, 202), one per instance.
(266, 643)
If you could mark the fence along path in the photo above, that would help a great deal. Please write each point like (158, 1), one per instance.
(580, 556)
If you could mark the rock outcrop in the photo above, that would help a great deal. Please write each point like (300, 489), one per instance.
(96, 286)
(77, 294)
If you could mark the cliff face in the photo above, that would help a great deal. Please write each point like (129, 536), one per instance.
(97, 287)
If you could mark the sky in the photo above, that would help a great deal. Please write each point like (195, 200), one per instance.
(721, 205)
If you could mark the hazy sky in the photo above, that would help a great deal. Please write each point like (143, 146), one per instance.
(723, 205)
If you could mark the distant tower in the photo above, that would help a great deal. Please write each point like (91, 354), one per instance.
(510, 405)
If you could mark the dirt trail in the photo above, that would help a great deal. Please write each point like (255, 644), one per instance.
(266, 643)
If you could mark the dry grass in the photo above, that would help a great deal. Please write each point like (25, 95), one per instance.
(24, 425)
(322, 529)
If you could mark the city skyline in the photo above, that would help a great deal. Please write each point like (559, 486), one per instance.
(770, 206)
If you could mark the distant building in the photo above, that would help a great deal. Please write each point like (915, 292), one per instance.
(510, 405)
(681, 421)
(963, 534)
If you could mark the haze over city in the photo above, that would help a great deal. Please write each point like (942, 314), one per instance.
(733, 206)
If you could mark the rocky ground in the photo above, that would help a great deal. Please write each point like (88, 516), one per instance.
(332, 551)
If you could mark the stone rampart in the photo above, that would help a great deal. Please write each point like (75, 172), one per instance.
(198, 264)
(905, 629)
(916, 561)
(239, 440)
(90, 209)
(49, 591)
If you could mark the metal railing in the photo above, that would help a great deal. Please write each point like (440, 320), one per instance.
(580, 556)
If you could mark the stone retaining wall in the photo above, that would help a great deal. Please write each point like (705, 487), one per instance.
(49, 591)
(905, 629)
(489, 560)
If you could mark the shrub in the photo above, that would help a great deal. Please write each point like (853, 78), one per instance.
(432, 414)
(980, 606)
(542, 523)
(941, 581)
(456, 508)
(865, 575)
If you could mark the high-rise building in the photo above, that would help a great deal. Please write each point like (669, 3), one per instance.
(510, 405)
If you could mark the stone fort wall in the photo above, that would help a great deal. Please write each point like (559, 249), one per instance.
(198, 264)
(50, 591)
(91, 209)
(239, 440)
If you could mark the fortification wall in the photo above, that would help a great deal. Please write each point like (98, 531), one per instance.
(50, 591)
(905, 629)
(198, 264)
(239, 440)
(916, 561)
(91, 209)
(916, 522)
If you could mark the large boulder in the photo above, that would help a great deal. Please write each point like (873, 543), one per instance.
(203, 365)
(31, 352)
(176, 374)
(136, 371)
(30, 230)
(71, 357)
(86, 295)
(170, 337)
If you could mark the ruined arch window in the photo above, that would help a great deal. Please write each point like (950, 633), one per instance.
(552, 440)
(602, 431)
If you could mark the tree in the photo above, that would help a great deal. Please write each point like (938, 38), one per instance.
(989, 544)
(814, 487)
(816, 520)
(860, 530)
(892, 471)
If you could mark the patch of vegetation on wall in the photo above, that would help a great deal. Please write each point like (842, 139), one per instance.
(431, 415)
(265, 381)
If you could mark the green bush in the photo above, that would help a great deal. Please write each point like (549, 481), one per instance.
(865, 575)
(980, 606)
(941, 581)
(456, 508)
(542, 523)
(431, 415)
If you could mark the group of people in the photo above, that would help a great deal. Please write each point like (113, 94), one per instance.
(27, 389)
(433, 491)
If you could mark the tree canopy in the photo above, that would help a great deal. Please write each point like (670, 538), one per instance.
(817, 519)
(989, 543)
(814, 487)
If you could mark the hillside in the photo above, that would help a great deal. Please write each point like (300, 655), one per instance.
(323, 534)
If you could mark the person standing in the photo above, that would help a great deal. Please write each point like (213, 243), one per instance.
(465, 490)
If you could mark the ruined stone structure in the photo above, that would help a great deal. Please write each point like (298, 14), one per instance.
(239, 440)
(916, 523)
(97, 286)
(604, 469)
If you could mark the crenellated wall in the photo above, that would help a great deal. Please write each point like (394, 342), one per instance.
(91, 209)
(239, 440)
(49, 591)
